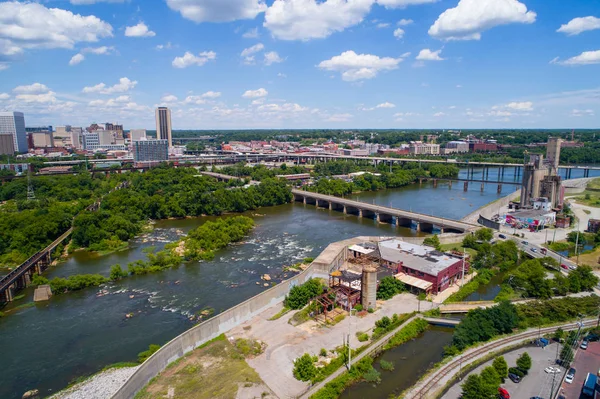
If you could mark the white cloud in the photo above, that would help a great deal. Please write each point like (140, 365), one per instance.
(211, 94)
(582, 112)
(281, 75)
(76, 59)
(252, 50)
(194, 100)
(469, 18)
(139, 30)
(404, 22)
(190, 59)
(251, 34)
(578, 25)
(354, 66)
(439, 114)
(86, 2)
(33, 26)
(500, 113)
(520, 106)
(385, 105)
(309, 19)
(585, 58)
(4, 96)
(35, 88)
(125, 84)
(399, 33)
(382, 25)
(169, 98)
(103, 50)
(255, 93)
(38, 98)
(339, 118)
(217, 10)
(272, 58)
(402, 3)
(428, 55)
(163, 46)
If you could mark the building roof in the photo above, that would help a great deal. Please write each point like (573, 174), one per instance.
(413, 281)
(418, 257)
(531, 214)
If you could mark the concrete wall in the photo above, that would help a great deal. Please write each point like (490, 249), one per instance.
(212, 328)
(488, 223)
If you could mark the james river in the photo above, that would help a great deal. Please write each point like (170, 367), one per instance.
(46, 346)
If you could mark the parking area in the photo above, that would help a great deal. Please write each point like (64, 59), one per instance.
(586, 361)
(536, 383)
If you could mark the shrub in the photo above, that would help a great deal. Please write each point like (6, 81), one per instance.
(516, 371)
(323, 352)
(372, 376)
(524, 362)
(387, 366)
(433, 241)
(370, 310)
(388, 287)
(501, 367)
(142, 356)
(358, 307)
(117, 273)
(300, 295)
(304, 368)
(362, 336)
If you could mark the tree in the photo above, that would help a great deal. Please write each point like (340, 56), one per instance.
(559, 334)
(304, 368)
(524, 362)
(433, 241)
(478, 387)
(490, 379)
(484, 234)
(117, 273)
(501, 367)
(388, 287)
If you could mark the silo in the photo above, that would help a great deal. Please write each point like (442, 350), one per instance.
(369, 287)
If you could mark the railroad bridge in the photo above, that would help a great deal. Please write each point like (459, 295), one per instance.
(383, 214)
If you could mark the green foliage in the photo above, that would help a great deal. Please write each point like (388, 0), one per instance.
(304, 368)
(410, 331)
(501, 367)
(323, 352)
(372, 376)
(502, 255)
(386, 324)
(248, 347)
(484, 234)
(476, 388)
(142, 356)
(482, 278)
(490, 377)
(516, 371)
(362, 336)
(39, 280)
(387, 366)
(559, 334)
(117, 273)
(215, 235)
(557, 310)
(358, 307)
(433, 241)
(334, 388)
(300, 295)
(388, 287)
(76, 282)
(524, 362)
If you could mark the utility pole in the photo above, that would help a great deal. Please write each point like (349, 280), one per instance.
(463, 267)
(577, 243)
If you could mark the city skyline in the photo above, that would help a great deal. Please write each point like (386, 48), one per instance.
(247, 64)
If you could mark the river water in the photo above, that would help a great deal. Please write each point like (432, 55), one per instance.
(48, 345)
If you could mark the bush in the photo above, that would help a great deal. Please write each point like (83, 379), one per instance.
(501, 367)
(516, 371)
(117, 273)
(142, 356)
(433, 241)
(370, 310)
(362, 336)
(387, 366)
(323, 352)
(358, 307)
(300, 295)
(388, 287)
(304, 368)
(524, 362)
(372, 376)
(411, 331)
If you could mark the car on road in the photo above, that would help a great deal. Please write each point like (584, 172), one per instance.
(514, 378)
(503, 393)
(572, 267)
(524, 243)
(536, 397)
(533, 249)
(502, 236)
(584, 345)
(552, 370)
(564, 266)
(570, 376)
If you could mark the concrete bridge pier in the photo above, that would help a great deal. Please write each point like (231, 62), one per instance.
(434, 183)
(403, 222)
(450, 184)
(322, 204)
(499, 188)
(586, 173)
(385, 218)
(427, 227)
(365, 213)
(482, 186)
(466, 186)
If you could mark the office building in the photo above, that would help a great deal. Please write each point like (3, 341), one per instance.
(7, 146)
(458, 146)
(90, 141)
(137, 134)
(150, 150)
(76, 140)
(418, 147)
(106, 137)
(163, 125)
(13, 123)
(41, 139)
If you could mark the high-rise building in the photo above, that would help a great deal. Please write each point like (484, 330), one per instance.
(163, 125)
(150, 150)
(7, 146)
(137, 134)
(13, 123)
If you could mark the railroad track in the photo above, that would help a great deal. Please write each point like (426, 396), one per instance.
(431, 386)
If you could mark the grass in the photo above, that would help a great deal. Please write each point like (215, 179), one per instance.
(214, 370)
(458, 247)
(280, 313)
(590, 258)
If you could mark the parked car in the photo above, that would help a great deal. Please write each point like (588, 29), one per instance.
(552, 370)
(502, 236)
(503, 393)
(524, 243)
(570, 376)
(584, 345)
(564, 266)
(533, 249)
(514, 378)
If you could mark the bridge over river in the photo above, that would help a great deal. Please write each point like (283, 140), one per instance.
(383, 214)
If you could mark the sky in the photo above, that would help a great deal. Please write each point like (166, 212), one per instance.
(254, 64)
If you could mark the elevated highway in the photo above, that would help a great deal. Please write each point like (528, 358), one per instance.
(383, 214)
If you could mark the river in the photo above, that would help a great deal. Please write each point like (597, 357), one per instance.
(48, 345)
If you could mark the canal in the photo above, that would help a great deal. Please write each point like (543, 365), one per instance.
(47, 345)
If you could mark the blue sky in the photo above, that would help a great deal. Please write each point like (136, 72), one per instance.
(229, 64)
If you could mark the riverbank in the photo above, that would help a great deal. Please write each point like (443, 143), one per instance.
(491, 209)
(99, 386)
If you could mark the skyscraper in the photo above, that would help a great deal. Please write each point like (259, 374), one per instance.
(13, 123)
(163, 125)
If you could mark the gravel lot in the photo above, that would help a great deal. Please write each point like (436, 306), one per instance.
(101, 386)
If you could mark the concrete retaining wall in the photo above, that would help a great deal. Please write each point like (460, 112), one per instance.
(212, 328)
(488, 223)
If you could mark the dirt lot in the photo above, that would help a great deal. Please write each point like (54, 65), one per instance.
(217, 370)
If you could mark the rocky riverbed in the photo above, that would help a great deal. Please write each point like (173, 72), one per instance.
(101, 386)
